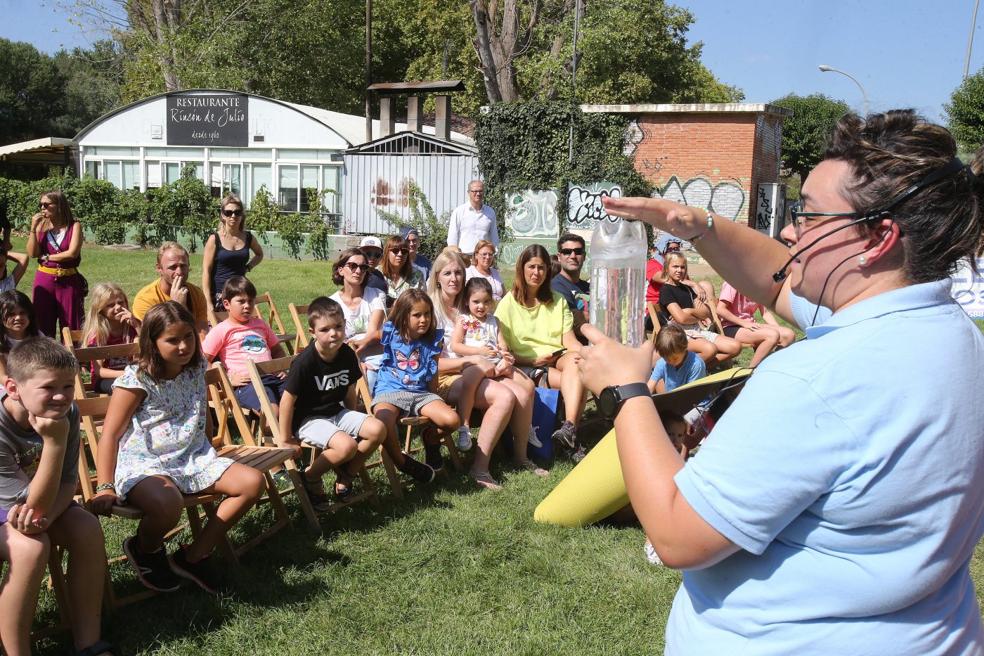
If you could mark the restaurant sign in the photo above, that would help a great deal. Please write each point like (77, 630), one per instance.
(208, 120)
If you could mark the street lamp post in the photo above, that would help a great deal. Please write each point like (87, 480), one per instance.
(830, 69)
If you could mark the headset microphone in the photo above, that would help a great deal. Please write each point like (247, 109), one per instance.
(781, 274)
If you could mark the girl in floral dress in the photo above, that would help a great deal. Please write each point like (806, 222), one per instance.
(154, 450)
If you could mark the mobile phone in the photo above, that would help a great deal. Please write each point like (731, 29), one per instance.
(558, 353)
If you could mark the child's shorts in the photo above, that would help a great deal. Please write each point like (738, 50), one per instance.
(700, 333)
(318, 431)
(274, 386)
(409, 403)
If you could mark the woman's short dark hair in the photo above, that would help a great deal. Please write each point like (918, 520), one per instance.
(889, 153)
(544, 294)
(342, 260)
(158, 319)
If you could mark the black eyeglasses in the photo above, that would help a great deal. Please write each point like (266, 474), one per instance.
(402, 251)
(800, 217)
(232, 212)
(373, 253)
(44, 206)
(352, 266)
(572, 251)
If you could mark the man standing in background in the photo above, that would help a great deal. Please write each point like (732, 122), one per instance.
(472, 222)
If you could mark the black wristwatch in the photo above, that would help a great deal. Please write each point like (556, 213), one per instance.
(611, 398)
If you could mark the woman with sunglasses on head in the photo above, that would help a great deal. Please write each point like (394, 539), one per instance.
(364, 308)
(836, 505)
(227, 252)
(482, 267)
(398, 269)
(55, 238)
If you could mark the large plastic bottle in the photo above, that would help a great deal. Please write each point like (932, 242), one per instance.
(618, 279)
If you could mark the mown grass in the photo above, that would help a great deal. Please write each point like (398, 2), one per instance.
(446, 570)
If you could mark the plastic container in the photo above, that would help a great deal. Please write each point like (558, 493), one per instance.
(618, 279)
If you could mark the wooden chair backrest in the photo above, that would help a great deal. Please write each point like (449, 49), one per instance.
(91, 412)
(273, 314)
(215, 378)
(90, 354)
(300, 327)
(657, 318)
(256, 372)
(71, 338)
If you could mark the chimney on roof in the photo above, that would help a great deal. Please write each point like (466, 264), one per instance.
(442, 120)
(415, 112)
(387, 121)
(415, 91)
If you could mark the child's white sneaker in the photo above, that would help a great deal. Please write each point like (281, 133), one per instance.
(533, 440)
(464, 439)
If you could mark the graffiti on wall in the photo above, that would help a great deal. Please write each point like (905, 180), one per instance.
(584, 207)
(724, 199)
(533, 213)
(384, 195)
(769, 208)
(633, 136)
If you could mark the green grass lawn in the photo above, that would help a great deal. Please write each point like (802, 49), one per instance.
(446, 570)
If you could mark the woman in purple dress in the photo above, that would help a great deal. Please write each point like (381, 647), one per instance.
(56, 241)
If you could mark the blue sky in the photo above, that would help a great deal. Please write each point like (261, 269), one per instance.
(906, 53)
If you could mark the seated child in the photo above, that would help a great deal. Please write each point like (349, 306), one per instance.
(39, 455)
(17, 322)
(477, 333)
(318, 405)
(676, 366)
(154, 449)
(407, 376)
(109, 322)
(737, 313)
(10, 279)
(243, 337)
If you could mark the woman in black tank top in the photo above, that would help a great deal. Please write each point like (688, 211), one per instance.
(227, 252)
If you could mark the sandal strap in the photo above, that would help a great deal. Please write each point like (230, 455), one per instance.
(99, 647)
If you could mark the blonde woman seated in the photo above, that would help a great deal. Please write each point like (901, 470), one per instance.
(539, 330)
(687, 303)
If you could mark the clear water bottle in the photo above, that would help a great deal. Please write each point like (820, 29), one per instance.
(618, 279)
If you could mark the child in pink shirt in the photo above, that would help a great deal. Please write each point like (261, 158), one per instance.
(241, 338)
(737, 314)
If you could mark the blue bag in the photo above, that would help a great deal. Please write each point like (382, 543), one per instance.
(544, 420)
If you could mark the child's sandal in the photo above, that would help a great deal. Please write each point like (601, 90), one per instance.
(343, 488)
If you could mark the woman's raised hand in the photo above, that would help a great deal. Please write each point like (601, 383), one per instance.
(605, 362)
(679, 220)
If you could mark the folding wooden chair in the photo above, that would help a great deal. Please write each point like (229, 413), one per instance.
(272, 425)
(300, 327)
(223, 400)
(86, 356)
(71, 337)
(263, 459)
(657, 318)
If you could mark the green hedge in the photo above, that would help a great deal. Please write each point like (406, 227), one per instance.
(184, 207)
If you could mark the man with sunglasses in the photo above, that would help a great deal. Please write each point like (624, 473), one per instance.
(568, 283)
(472, 222)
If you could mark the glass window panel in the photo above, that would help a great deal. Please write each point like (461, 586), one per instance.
(131, 175)
(92, 168)
(307, 154)
(310, 176)
(174, 153)
(215, 180)
(331, 188)
(114, 173)
(113, 151)
(153, 174)
(172, 172)
(241, 153)
(231, 178)
(199, 169)
(261, 178)
(288, 188)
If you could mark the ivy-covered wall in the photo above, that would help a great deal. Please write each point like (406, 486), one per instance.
(524, 146)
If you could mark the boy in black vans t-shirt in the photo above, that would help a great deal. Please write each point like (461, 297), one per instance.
(316, 405)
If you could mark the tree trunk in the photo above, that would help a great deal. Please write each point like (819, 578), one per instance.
(496, 51)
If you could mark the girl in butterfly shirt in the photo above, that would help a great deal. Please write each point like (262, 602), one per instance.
(408, 372)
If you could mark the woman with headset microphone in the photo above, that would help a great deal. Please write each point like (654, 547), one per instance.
(836, 505)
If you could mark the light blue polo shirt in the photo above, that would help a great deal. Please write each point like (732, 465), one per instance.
(850, 471)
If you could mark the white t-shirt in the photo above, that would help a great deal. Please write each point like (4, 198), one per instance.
(357, 320)
(495, 280)
(468, 226)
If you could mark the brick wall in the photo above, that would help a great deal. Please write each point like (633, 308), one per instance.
(711, 158)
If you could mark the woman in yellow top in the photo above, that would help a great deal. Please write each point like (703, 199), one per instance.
(539, 329)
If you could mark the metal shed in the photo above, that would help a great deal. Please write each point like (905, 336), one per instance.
(378, 176)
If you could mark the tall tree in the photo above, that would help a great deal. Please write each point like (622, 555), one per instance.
(965, 112)
(31, 93)
(805, 133)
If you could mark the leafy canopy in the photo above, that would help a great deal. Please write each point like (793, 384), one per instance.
(805, 133)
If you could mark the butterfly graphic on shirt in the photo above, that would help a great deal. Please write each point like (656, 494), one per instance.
(408, 363)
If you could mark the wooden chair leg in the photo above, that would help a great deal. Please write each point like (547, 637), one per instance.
(394, 478)
(59, 586)
(297, 478)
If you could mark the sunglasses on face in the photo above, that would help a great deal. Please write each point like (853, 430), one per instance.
(374, 254)
(401, 251)
(232, 212)
(44, 206)
(353, 267)
(572, 251)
